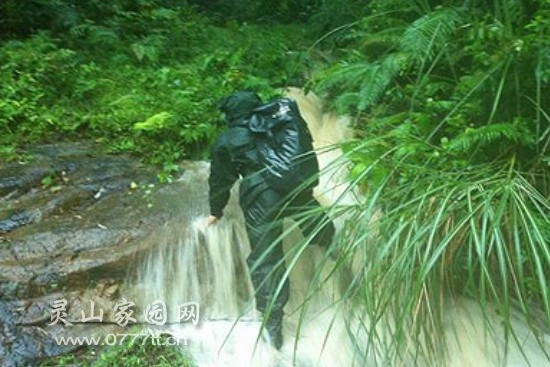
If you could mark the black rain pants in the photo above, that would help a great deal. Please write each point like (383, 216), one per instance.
(264, 215)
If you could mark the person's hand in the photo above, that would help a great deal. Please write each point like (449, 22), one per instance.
(209, 221)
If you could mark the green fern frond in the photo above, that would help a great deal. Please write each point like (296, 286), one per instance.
(346, 100)
(102, 35)
(429, 33)
(485, 135)
(390, 37)
(420, 40)
(390, 120)
(343, 75)
(369, 81)
(377, 78)
(149, 48)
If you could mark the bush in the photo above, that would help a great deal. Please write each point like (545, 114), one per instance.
(143, 81)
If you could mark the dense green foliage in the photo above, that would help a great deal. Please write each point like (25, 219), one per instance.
(447, 97)
(452, 158)
(452, 85)
(140, 80)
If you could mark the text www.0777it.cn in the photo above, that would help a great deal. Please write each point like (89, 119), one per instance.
(117, 339)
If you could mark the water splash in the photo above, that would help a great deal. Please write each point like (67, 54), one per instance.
(190, 264)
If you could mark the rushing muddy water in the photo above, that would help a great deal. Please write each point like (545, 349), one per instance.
(191, 265)
(207, 267)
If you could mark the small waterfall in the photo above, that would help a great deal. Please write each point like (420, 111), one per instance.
(188, 264)
(192, 265)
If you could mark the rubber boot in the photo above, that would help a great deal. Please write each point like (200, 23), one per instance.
(274, 327)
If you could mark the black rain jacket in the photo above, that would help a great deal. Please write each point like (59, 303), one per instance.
(234, 156)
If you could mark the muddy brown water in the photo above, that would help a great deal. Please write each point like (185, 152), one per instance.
(79, 225)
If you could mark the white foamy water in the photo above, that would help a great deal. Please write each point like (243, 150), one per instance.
(190, 264)
(207, 267)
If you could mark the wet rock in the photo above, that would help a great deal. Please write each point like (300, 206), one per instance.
(20, 345)
(20, 219)
(73, 223)
(20, 178)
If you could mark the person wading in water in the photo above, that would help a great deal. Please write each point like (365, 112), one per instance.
(235, 155)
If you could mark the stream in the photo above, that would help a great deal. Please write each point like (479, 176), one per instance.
(92, 229)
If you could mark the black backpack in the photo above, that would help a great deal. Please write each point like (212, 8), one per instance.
(284, 144)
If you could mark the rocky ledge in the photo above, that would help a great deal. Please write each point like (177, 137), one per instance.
(73, 224)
